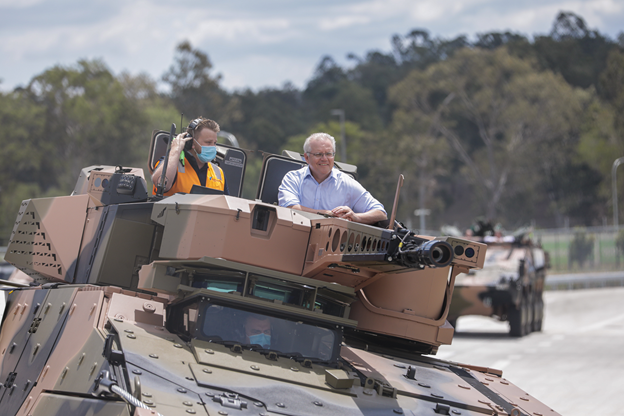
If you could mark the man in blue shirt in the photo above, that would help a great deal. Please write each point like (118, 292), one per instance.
(321, 188)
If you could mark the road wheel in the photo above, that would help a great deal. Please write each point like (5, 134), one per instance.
(538, 316)
(517, 317)
(530, 307)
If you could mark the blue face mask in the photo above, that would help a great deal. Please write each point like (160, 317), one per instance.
(208, 153)
(261, 339)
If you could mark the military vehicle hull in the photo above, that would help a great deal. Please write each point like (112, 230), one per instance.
(213, 304)
(54, 369)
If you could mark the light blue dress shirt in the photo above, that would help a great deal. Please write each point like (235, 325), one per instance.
(339, 189)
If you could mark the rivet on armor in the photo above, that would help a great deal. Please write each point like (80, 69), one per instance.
(131, 336)
(207, 371)
(525, 398)
(258, 404)
(153, 355)
(148, 402)
(136, 372)
(187, 403)
(421, 384)
(398, 411)
(182, 390)
(437, 395)
(223, 413)
(318, 404)
(281, 405)
(254, 367)
(209, 351)
(177, 345)
(146, 394)
(190, 411)
(464, 386)
(294, 369)
(129, 331)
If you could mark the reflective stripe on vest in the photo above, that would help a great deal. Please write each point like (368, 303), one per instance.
(187, 178)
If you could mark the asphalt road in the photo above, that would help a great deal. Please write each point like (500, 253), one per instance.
(575, 365)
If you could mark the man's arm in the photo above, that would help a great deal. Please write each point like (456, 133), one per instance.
(369, 217)
(177, 146)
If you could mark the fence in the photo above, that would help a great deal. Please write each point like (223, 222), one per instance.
(583, 249)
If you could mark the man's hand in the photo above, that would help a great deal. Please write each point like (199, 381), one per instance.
(346, 213)
(179, 142)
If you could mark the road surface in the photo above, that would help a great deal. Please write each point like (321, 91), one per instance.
(575, 365)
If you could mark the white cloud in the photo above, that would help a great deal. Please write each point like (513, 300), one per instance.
(342, 22)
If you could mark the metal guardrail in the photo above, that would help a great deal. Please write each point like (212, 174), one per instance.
(584, 280)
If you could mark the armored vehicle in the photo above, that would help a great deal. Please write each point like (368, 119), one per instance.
(208, 304)
(510, 285)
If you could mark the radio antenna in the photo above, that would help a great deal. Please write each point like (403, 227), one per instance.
(161, 186)
(400, 182)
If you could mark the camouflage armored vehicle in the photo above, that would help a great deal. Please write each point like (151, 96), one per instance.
(510, 285)
(201, 304)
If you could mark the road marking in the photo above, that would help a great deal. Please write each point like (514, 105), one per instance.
(599, 324)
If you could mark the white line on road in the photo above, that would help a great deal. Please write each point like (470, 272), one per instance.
(599, 324)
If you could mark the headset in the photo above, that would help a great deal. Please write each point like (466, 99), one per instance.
(193, 125)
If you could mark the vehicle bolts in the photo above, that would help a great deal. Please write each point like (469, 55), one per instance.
(177, 345)
(281, 405)
(223, 413)
(187, 403)
(318, 404)
(209, 351)
(207, 371)
(131, 336)
(148, 402)
(208, 394)
(258, 404)
(294, 369)
(398, 411)
(153, 355)
(146, 394)
(136, 372)
(182, 390)
(190, 411)
(454, 411)
(421, 384)
(254, 367)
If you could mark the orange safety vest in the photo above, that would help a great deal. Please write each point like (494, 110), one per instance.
(187, 178)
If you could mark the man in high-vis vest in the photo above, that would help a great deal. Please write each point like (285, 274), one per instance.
(190, 160)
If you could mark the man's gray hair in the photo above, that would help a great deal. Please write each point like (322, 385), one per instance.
(319, 136)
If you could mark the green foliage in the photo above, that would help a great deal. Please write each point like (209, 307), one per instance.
(194, 92)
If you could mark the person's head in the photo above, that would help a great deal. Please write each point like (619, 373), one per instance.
(204, 135)
(258, 330)
(319, 150)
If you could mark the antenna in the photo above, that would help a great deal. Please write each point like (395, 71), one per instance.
(161, 186)
(400, 182)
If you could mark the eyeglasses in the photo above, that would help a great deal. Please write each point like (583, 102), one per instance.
(321, 154)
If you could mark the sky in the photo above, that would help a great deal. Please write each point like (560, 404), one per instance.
(255, 43)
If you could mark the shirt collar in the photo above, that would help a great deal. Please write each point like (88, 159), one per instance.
(333, 173)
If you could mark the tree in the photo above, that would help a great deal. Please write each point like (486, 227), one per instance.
(507, 123)
(87, 120)
(195, 92)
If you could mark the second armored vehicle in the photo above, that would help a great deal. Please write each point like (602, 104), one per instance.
(509, 287)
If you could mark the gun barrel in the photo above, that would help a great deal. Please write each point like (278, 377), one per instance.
(434, 253)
